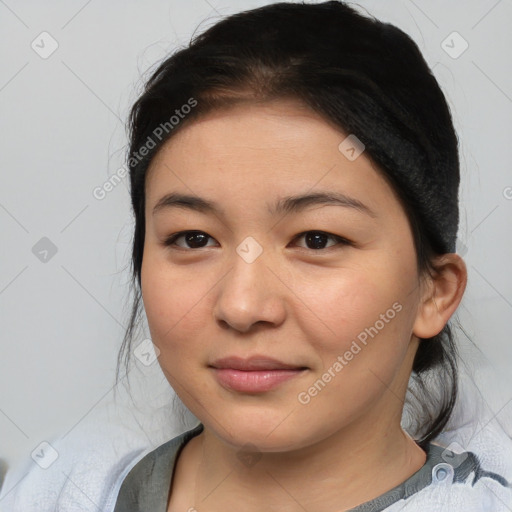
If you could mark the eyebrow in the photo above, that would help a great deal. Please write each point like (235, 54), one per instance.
(285, 205)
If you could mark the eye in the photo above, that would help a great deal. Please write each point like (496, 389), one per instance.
(315, 240)
(195, 239)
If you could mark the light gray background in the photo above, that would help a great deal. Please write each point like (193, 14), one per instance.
(62, 135)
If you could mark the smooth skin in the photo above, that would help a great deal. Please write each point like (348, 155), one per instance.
(302, 302)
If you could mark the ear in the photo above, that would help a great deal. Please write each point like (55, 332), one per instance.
(441, 296)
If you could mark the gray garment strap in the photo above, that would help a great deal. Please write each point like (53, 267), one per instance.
(439, 462)
(146, 487)
(412, 485)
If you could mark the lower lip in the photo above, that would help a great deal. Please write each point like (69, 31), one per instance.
(255, 381)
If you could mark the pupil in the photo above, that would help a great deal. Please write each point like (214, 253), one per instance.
(315, 238)
(191, 236)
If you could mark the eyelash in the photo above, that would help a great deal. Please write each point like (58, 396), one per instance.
(170, 240)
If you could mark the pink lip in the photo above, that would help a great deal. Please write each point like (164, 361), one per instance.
(253, 375)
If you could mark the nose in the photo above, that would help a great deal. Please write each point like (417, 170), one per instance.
(250, 294)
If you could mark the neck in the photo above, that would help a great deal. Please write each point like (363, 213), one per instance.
(332, 474)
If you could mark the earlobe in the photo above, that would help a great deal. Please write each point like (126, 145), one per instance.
(442, 297)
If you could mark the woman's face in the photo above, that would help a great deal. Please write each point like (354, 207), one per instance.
(269, 277)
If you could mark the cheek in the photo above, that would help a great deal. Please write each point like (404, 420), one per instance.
(360, 342)
(363, 313)
(174, 304)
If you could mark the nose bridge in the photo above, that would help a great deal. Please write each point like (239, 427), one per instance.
(249, 293)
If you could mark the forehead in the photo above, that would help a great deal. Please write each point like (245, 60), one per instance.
(271, 149)
(274, 124)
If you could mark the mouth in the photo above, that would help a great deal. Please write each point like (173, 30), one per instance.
(255, 374)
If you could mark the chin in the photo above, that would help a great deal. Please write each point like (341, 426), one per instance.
(268, 430)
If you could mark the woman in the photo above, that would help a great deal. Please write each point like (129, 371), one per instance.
(294, 178)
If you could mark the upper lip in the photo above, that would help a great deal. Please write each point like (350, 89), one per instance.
(253, 363)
